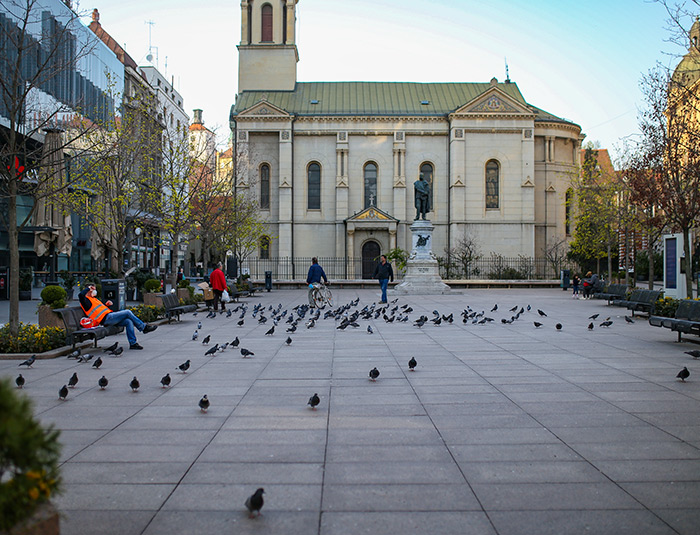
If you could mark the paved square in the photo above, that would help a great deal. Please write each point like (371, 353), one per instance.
(502, 429)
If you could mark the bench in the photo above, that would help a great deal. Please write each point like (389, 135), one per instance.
(640, 301)
(173, 308)
(686, 319)
(75, 333)
(252, 289)
(613, 291)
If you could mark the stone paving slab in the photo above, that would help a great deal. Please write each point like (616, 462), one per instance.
(502, 429)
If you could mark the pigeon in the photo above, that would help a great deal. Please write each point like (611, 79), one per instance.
(134, 384)
(255, 502)
(184, 366)
(313, 401)
(311, 323)
(537, 324)
(223, 347)
(111, 348)
(495, 307)
(240, 323)
(97, 363)
(271, 331)
(165, 380)
(212, 350)
(607, 323)
(204, 403)
(199, 325)
(228, 313)
(369, 329)
(118, 351)
(590, 326)
(593, 317)
(103, 382)
(628, 319)
(558, 326)
(541, 313)
(695, 353)
(373, 374)
(235, 342)
(73, 380)
(195, 314)
(246, 353)
(63, 392)
(292, 328)
(288, 341)
(412, 364)
(513, 309)
(19, 381)
(206, 339)
(85, 358)
(683, 374)
(28, 363)
(195, 335)
(75, 354)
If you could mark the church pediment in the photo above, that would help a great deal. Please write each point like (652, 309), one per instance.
(263, 108)
(493, 101)
(371, 213)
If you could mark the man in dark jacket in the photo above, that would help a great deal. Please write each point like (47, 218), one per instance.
(314, 277)
(383, 272)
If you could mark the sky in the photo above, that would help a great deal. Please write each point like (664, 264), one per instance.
(582, 61)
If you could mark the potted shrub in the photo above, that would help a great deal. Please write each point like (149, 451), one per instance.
(150, 297)
(29, 473)
(183, 290)
(52, 297)
(26, 278)
(68, 281)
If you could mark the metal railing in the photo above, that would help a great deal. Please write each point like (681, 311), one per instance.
(494, 267)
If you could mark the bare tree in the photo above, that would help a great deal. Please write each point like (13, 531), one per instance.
(465, 253)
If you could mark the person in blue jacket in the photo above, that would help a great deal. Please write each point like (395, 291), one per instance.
(314, 277)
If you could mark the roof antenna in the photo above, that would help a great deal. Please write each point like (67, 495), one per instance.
(507, 75)
(149, 57)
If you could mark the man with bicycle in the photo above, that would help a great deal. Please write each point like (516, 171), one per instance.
(313, 279)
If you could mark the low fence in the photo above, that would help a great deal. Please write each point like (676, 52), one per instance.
(494, 267)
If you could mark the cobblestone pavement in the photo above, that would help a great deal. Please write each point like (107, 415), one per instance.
(506, 429)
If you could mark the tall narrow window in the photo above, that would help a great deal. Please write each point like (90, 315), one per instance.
(313, 194)
(250, 24)
(370, 184)
(492, 177)
(265, 247)
(569, 200)
(264, 187)
(284, 24)
(266, 28)
(428, 173)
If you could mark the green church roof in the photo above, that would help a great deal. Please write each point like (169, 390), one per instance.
(378, 98)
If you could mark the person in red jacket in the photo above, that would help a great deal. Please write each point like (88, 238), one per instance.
(217, 280)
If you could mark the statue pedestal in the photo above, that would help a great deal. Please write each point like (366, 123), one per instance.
(422, 270)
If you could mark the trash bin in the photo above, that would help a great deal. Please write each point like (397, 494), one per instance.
(4, 283)
(114, 290)
(564, 279)
(268, 280)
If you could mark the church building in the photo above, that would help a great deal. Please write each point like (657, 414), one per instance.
(332, 164)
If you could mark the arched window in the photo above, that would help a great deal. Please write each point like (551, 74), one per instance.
(264, 187)
(492, 184)
(313, 194)
(265, 242)
(370, 184)
(266, 26)
(569, 200)
(428, 172)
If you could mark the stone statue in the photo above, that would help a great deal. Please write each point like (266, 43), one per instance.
(421, 192)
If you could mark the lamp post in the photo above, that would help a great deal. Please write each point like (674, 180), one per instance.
(137, 231)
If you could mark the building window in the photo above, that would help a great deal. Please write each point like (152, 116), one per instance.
(284, 24)
(569, 200)
(313, 194)
(492, 178)
(266, 32)
(265, 187)
(265, 242)
(428, 173)
(370, 184)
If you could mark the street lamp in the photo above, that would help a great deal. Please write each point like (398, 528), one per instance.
(137, 231)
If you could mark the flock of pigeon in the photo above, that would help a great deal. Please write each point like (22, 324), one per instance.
(346, 316)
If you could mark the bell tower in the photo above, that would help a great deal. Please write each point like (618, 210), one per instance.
(267, 54)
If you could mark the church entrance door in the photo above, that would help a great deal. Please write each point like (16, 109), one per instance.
(370, 257)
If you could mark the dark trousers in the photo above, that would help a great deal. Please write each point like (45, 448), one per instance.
(217, 298)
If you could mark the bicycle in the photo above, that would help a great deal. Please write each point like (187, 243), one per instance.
(321, 296)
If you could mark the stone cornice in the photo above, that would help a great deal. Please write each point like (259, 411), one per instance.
(559, 126)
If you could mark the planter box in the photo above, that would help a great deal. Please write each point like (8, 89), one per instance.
(44, 521)
(25, 295)
(151, 299)
(49, 318)
(183, 293)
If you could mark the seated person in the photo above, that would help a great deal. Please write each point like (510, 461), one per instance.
(99, 313)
